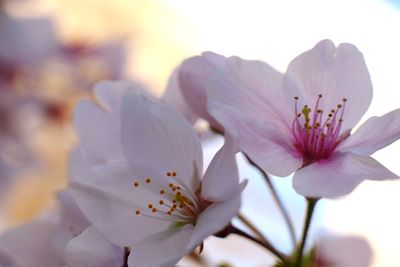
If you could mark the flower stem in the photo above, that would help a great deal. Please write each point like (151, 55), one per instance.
(266, 244)
(277, 200)
(307, 223)
(252, 227)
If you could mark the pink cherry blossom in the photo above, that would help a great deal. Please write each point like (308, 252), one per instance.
(152, 199)
(301, 121)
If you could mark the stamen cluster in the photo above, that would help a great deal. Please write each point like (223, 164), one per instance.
(316, 137)
(177, 203)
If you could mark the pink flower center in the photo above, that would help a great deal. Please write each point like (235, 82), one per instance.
(316, 136)
(176, 202)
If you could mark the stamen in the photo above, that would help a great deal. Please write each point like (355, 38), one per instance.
(314, 137)
(178, 203)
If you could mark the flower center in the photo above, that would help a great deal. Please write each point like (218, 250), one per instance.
(316, 136)
(176, 202)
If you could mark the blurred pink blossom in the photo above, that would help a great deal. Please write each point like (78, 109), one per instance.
(62, 237)
(342, 251)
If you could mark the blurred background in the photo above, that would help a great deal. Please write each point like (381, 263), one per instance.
(53, 51)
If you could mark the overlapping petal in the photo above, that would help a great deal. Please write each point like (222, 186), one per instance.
(157, 140)
(192, 76)
(107, 197)
(267, 147)
(336, 73)
(90, 249)
(250, 87)
(174, 98)
(338, 175)
(98, 131)
(216, 217)
(221, 180)
(163, 249)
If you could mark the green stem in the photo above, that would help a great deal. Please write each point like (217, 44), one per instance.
(267, 245)
(307, 223)
(278, 201)
(252, 227)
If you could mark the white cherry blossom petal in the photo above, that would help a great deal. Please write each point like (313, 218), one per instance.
(335, 73)
(158, 140)
(221, 180)
(174, 98)
(107, 196)
(338, 175)
(267, 147)
(250, 87)
(163, 249)
(91, 249)
(216, 217)
(192, 76)
(98, 131)
(374, 134)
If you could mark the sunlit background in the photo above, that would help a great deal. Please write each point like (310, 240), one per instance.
(144, 41)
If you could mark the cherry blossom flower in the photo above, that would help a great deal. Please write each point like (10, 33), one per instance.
(62, 237)
(301, 121)
(154, 192)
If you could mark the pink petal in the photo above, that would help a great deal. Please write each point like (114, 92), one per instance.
(157, 140)
(193, 75)
(338, 175)
(174, 98)
(90, 249)
(252, 88)
(374, 134)
(216, 217)
(221, 180)
(107, 197)
(345, 251)
(79, 162)
(98, 131)
(164, 249)
(336, 73)
(269, 148)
